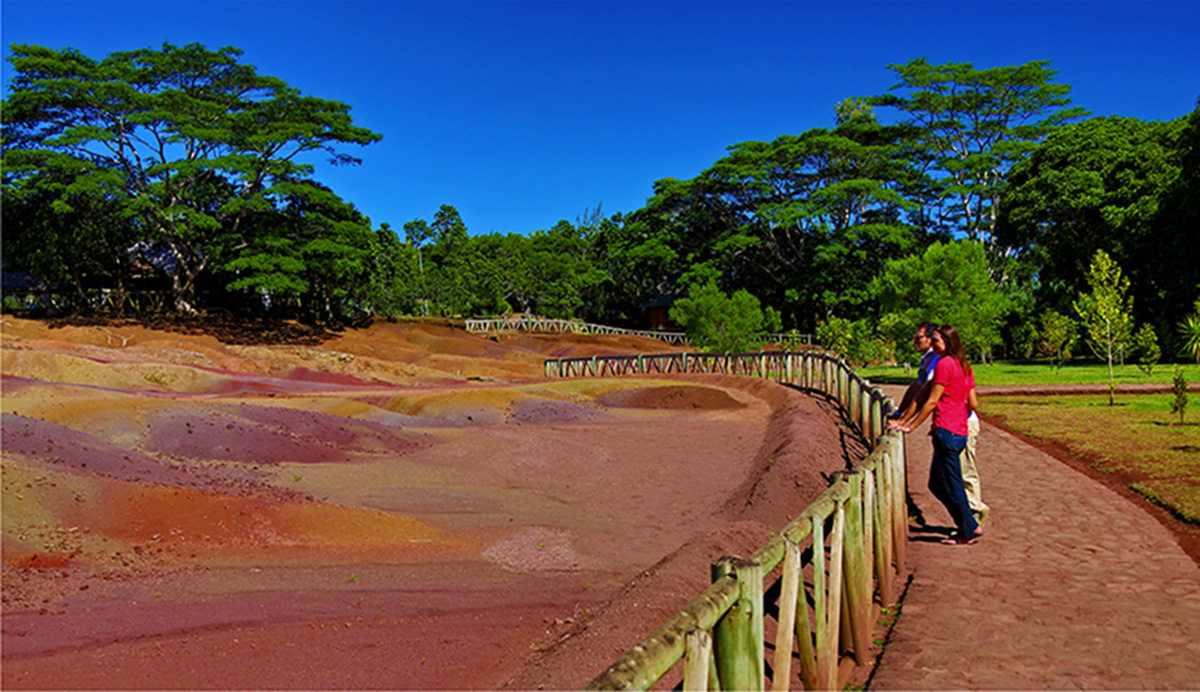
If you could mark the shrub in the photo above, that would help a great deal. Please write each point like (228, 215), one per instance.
(716, 322)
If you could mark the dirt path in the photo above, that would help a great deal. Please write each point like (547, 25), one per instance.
(1073, 586)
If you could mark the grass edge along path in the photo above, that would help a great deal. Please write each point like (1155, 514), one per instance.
(1039, 374)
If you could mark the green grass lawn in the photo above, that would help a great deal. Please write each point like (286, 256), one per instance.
(1040, 373)
(1139, 436)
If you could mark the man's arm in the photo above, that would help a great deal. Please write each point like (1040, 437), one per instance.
(919, 395)
(910, 395)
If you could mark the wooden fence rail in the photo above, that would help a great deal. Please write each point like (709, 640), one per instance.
(838, 559)
(527, 323)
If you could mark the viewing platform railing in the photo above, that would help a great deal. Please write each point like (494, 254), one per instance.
(526, 323)
(838, 561)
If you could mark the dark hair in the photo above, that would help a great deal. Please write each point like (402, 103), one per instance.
(954, 347)
(927, 327)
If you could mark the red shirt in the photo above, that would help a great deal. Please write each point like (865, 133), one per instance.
(952, 409)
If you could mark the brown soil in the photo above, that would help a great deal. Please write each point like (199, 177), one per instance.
(401, 506)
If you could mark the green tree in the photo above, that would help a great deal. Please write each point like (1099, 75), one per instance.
(804, 220)
(1189, 333)
(948, 284)
(317, 254)
(717, 322)
(1179, 387)
(189, 140)
(854, 340)
(835, 334)
(1100, 185)
(1178, 284)
(972, 125)
(1056, 337)
(1106, 312)
(67, 238)
(416, 234)
(1146, 343)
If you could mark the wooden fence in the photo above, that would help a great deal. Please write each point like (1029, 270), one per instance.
(838, 561)
(526, 323)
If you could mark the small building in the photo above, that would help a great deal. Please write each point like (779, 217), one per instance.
(658, 306)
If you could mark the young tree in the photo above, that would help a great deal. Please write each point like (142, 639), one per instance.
(189, 140)
(717, 322)
(1146, 343)
(1106, 312)
(1179, 387)
(973, 124)
(1056, 337)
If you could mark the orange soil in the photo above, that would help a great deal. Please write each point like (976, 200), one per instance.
(403, 506)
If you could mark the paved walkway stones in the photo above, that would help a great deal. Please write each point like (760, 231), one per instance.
(1071, 587)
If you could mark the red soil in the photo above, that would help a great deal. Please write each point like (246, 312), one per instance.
(404, 506)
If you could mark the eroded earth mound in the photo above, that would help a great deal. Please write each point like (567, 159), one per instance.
(402, 506)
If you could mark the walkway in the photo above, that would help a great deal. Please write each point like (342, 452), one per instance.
(1072, 587)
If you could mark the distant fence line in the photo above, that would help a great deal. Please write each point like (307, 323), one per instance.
(825, 601)
(528, 323)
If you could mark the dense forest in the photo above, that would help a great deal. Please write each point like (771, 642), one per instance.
(979, 197)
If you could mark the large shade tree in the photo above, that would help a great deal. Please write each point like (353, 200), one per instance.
(972, 125)
(189, 141)
(804, 220)
(1100, 185)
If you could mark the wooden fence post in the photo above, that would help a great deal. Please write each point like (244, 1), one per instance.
(866, 416)
(853, 406)
(804, 625)
(738, 635)
(827, 659)
(696, 665)
(858, 604)
(876, 416)
(899, 505)
(880, 533)
(792, 583)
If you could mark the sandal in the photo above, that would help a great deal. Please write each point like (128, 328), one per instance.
(958, 541)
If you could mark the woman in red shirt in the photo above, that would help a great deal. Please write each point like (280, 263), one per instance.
(949, 393)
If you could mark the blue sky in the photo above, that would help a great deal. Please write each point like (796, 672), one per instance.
(524, 113)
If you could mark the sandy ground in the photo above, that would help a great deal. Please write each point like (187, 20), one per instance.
(404, 506)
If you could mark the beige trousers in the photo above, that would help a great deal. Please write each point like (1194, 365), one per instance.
(970, 474)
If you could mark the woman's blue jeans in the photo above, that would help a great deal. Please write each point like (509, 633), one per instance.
(945, 479)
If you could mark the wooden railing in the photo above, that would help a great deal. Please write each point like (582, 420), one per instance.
(527, 323)
(841, 555)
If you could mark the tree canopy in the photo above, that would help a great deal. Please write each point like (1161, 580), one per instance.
(970, 196)
(189, 142)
